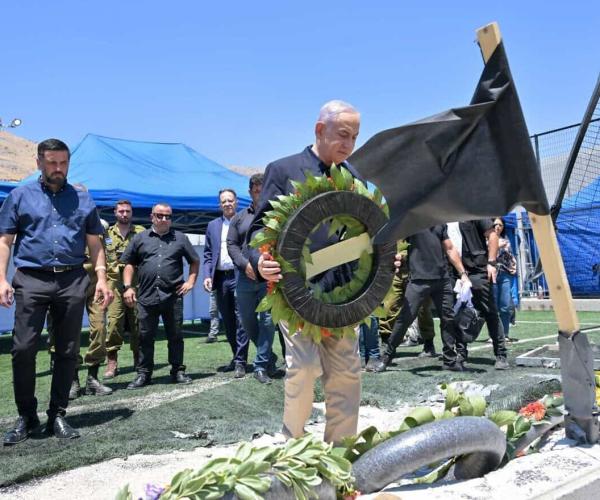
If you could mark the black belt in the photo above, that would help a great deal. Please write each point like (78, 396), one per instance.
(52, 269)
(230, 273)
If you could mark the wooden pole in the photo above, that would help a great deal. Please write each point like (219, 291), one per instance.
(576, 358)
(543, 229)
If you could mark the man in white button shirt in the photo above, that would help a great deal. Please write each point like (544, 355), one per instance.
(219, 274)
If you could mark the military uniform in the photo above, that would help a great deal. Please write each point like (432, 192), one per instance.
(118, 312)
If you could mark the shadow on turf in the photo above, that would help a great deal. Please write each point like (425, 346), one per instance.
(427, 370)
(99, 417)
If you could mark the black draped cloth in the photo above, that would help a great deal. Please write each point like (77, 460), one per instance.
(462, 164)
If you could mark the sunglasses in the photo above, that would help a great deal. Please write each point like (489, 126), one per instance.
(162, 216)
(498, 225)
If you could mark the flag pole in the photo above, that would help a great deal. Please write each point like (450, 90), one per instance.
(576, 358)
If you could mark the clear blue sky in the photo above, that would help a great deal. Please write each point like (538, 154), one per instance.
(242, 82)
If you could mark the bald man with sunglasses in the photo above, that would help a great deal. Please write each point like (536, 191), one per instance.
(157, 254)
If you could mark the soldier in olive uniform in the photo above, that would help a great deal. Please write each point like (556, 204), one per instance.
(118, 238)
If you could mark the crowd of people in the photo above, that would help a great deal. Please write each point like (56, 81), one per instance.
(129, 277)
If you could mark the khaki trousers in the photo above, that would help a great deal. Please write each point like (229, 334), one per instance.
(117, 314)
(337, 362)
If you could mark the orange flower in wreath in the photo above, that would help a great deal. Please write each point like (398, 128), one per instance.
(325, 332)
(534, 411)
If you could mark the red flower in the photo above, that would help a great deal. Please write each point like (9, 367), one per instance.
(325, 332)
(271, 287)
(266, 248)
(534, 411)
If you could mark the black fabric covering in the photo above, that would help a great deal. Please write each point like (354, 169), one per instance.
(462, 164)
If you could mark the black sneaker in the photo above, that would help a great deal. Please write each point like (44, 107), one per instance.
(409, 343)
(239, 371)
(75, 390)
(142, 380)
(501, 363)
(180, 377)
(381, 365)
(226, 368)
(454, 367)
(262, 377)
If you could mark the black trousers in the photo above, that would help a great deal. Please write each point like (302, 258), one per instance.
(417, 291)
(484, 302)
(171, 311)
(64, 294)
(224, 285)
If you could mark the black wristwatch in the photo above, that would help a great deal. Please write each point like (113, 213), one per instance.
(492, 263)
(126, 287)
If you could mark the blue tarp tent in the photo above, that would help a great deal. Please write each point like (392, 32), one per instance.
(5, 188)
(578, 222)
(148, 172)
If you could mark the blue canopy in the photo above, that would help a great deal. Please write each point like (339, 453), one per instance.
(578, 222)
(6, 187)
(147, 172)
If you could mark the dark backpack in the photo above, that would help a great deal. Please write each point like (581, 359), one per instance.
(468, 323)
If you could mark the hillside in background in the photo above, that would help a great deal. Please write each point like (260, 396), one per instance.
(17, 159)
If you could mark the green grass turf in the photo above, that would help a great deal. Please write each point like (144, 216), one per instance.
(217, 409)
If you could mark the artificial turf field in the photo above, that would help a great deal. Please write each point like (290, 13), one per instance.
(216, 409)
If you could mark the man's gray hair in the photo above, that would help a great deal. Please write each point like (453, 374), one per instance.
(331, 109)
(161, 204)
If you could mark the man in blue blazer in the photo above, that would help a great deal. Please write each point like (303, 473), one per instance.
(219, 274)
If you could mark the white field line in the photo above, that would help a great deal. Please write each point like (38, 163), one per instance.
(142, 402)
(549, 322)
(535, 339)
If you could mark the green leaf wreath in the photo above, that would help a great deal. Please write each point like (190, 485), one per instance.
(345, 226)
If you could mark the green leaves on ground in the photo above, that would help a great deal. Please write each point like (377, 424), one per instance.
(299, 464)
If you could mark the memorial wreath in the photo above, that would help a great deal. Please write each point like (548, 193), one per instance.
(341, 207)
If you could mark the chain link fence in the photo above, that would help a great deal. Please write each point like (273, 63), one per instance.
(576, 204)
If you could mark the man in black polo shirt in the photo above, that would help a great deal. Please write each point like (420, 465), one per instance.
(427, 252)
(478, 247)
(157, 254)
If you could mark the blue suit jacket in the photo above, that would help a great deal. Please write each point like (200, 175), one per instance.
(212, 248)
